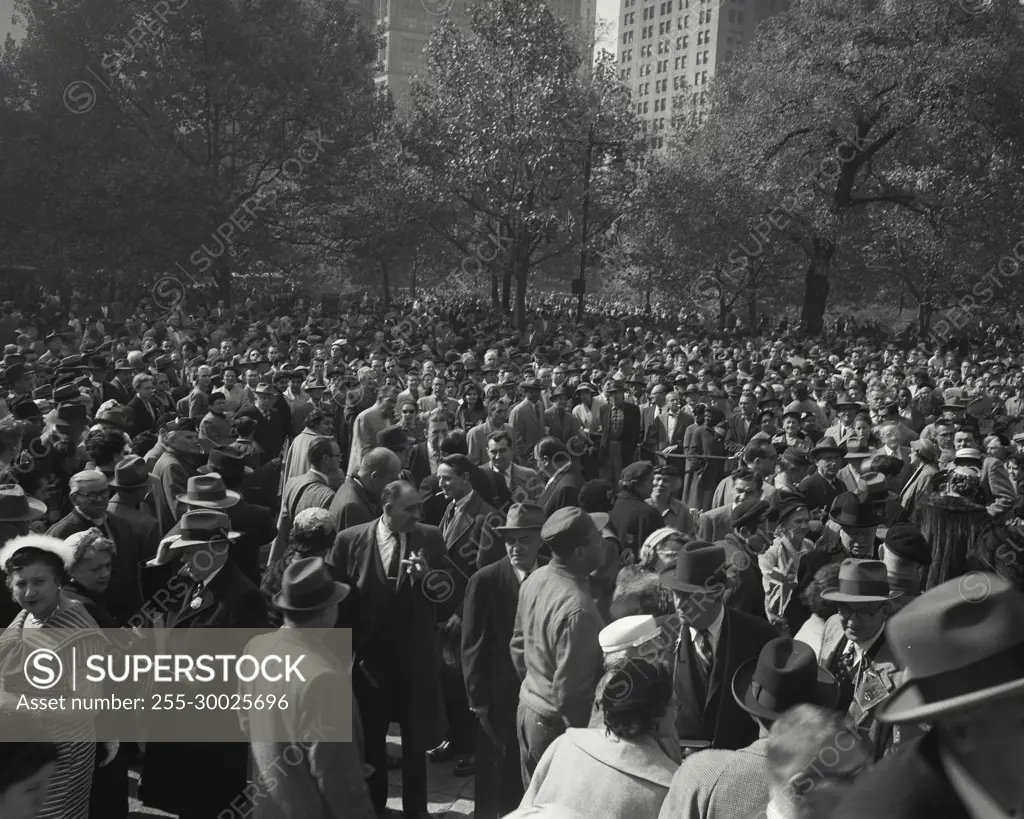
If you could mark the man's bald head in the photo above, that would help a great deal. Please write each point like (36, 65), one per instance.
(378, 468)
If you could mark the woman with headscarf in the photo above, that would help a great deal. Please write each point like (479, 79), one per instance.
(637, 589)
(36, 568)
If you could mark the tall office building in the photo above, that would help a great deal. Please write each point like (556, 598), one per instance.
(408, 25)
(669, 50)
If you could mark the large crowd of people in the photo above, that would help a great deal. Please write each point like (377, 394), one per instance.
(624, 566)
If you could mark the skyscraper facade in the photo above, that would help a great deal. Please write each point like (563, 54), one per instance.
(408, 24)
(670, 50)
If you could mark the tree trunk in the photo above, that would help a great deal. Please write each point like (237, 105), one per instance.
(506, 290)
(495, 297)
(412, 277)
(752, 309)
(385, 280)
(816, 287)
(222, 276)
(520, 264)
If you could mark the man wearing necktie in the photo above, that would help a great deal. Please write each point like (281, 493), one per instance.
(512, 483)
(492, 684)
(854, 646)
(712, 642)
(220, 596)
(470, 543)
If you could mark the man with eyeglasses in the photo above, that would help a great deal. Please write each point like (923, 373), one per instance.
(90, 493)
(855, 650)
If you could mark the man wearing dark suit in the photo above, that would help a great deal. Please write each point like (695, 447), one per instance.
(619, 446)
(396, 568)
(713, 641)
(564, 480)
(823, 486)
(492, 683)
(145, 413)
(89, 496)
(512, 483)
(211, 592)
(559, 421)
(960, 644)
(742, 425)
(358, 498)
(470, 543)
(272, 426)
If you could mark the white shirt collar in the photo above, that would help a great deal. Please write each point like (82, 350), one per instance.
(209, 578)
(860, 649)
(976, 801)
(460, 504)
(321, 475)
(715, 629)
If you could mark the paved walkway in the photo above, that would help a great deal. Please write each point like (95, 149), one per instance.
(449, 797)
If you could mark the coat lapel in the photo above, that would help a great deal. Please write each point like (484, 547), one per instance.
(721, 660)
(464, 520)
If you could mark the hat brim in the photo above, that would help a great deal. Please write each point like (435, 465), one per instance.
(536, 528)
(36, 509)
(836, 596)
(206, 469)
(113, 484)
(230, 500)
(341, 591)
(854, 525)
(178, 542)
(826, 692)
(828, 450)
(907, 705)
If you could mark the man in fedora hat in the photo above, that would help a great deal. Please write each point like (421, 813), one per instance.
(492, 684)
(527, 421)
(852, 527)
(182, 456)
(907, 555)
(18, 512)
(132, 488)
(398, 571)
(209, 591)
(559, 421)
(963, 650)
(253, 523)
(329, 779)
(722, 784)
(822, 487)
(713, 641)
(854, 645)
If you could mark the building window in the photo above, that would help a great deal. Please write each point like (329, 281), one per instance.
(696, 59)
(679, 63)
(696, 81)
(686, 41)
(700, 38)
(732, 15)
(703, 77)
(706, 58)
(739, 18)
(707, 19)
(686, 21)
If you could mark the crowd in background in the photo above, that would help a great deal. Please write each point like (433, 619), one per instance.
(624, 566)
